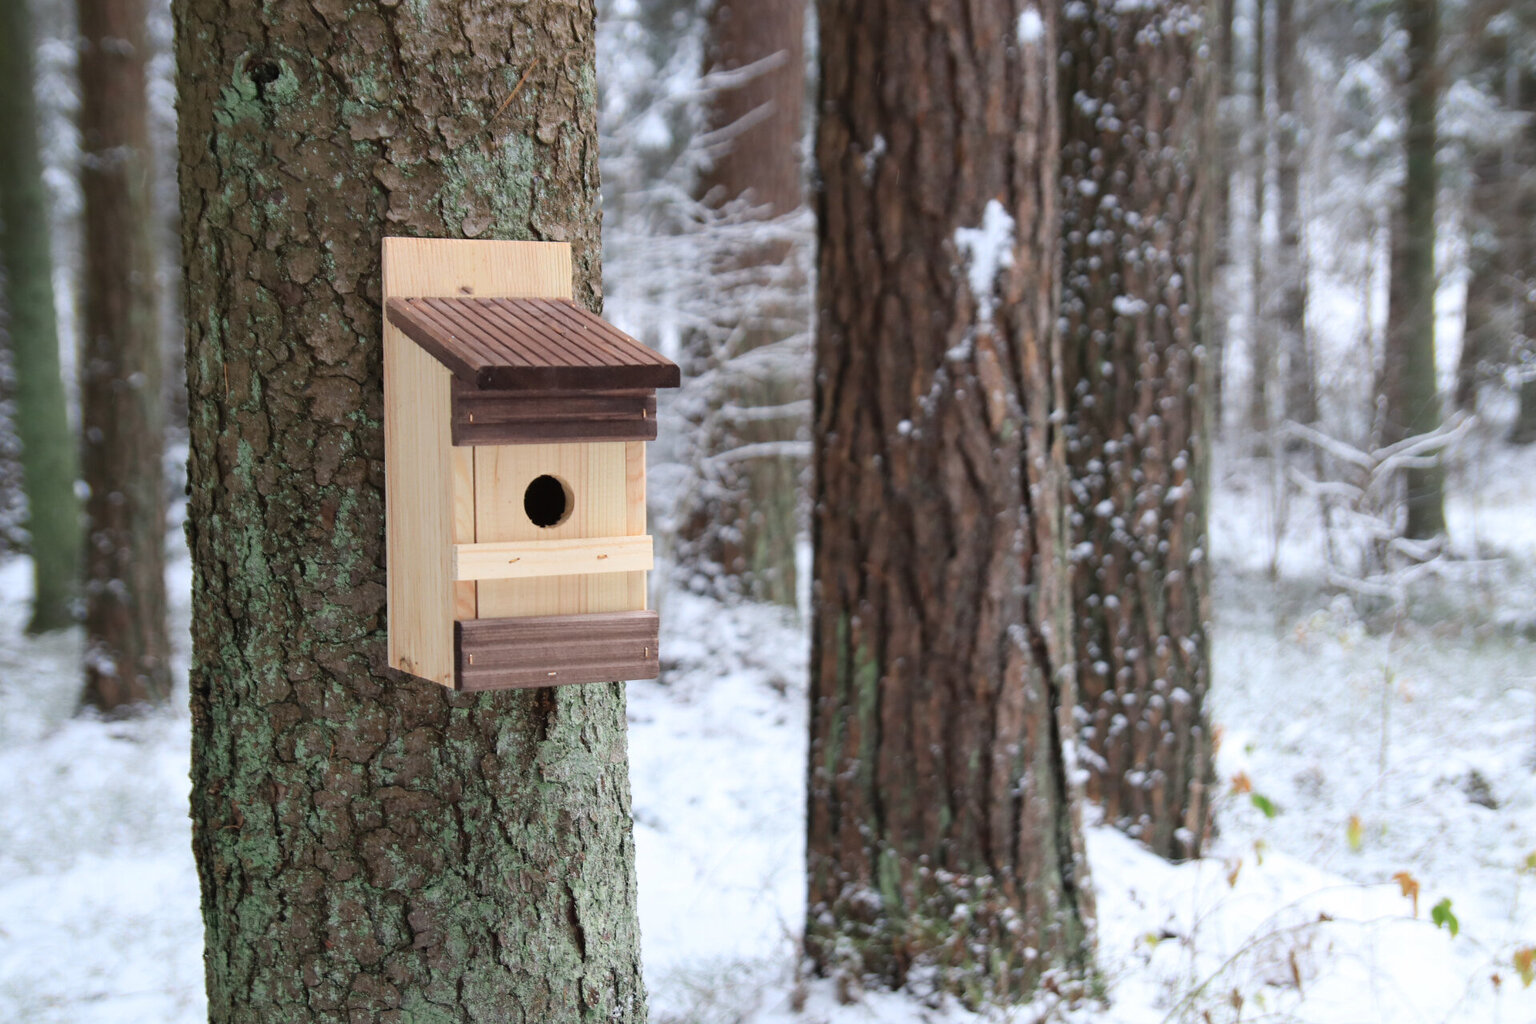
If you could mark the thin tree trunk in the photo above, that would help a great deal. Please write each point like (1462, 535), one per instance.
(944, 848)
(1412, 396)
(1294, 344)
(740, 527)
(1486, 320)
(1225, 161)
(42, 422)
(1260, 338)
(372, 847)
(1524, 430)
(127, 658)
(1134, 309)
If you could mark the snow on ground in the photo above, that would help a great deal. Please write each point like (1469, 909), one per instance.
(1425, 734)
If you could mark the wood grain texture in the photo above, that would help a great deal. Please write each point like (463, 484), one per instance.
(596, 475)
(465, 594)
(418, 502)
(511, 560)
(634, 488)
(424, 511)
(498, 654)
(529, 344)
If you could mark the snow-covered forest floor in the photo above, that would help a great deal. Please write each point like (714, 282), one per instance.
(1420, 729)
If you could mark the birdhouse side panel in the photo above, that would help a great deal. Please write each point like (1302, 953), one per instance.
(418, 496)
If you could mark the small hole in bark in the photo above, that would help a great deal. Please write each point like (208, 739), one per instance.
(263, 73)
(548, 501)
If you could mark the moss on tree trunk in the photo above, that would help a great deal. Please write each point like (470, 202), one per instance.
(372, 847)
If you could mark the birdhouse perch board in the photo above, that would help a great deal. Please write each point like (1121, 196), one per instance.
(515, 424)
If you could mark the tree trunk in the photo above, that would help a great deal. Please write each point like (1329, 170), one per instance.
(42, 422)
(127, 658)
(1412, 396)
(944, 847)
(1524, 430)
(1487, 324)
(739, 530)
(372, 847)
(1294, 343)
(1225, 160)
(1134, 309)
(1260, 338)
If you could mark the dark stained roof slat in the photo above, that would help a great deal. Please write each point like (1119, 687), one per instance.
(609, 335)
(514, 349)
(589, 329)
(533, 329)
(486, 341)
(529, 345)
(429, 336)
(449, 332)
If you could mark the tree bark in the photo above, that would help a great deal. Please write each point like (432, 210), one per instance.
(1294, 343)
(372, 847)
(742, 521)
(1260, 338)
(127, 658)
(944, 847)
(1135, 294)
(1412, 395)
(42, 421)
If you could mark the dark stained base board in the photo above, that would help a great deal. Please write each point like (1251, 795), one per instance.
(553, 650)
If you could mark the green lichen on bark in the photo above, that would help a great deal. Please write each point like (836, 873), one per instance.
(372, 847)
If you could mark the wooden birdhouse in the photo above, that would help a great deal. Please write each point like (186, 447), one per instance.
(515, 425)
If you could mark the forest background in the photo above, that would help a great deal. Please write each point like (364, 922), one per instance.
(1362, 664)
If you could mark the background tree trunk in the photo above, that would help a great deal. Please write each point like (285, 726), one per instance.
(943, 838)
(1260, 337)
(1486, 323)
(1412, 396)
(740, 528)
(127, 659)
(1134, 309)
(1224, 162)
(42, 421)
(1294, 343)
(372, 847)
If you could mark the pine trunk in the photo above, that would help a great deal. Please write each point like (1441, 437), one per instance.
(372, 847)
(1291, 318)
(1412, 396)
(42, 421)
(1135, 316)
(1260, 338)
(741, 525)
(127, 659)
(944, 848)
(1225, 161)
(1487, 324)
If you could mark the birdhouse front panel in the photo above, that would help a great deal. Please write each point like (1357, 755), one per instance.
(515, 430)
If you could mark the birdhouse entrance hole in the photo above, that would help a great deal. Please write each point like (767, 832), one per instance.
(548, 501)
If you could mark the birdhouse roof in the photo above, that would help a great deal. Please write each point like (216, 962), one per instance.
(530, 345)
